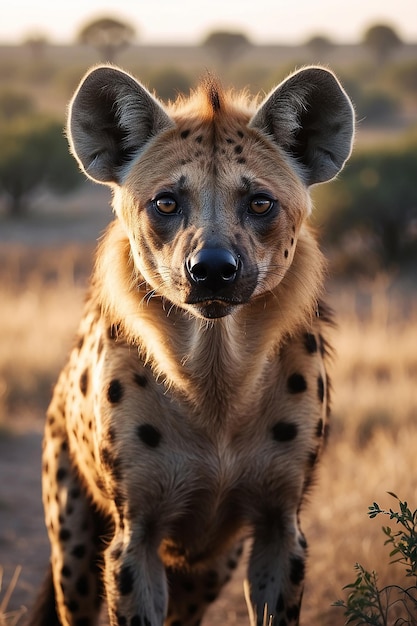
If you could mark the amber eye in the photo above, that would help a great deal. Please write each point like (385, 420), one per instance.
(166, 204)
(260, 205)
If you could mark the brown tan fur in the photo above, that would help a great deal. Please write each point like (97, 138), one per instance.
(193, 407)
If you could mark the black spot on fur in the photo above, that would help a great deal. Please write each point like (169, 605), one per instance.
(293, 612)
(229, 140)
(84, 382)
(61, 474)
(80, 343)
(64, 534)
(232, 564)
(238, 149)
(121, 620)
(136, 621)
(176, 622)
(241, 160)
(125, 580)
(211, 579)
(286, 253)
(115, 391)
(78, 551)
(188, 586)
(185, 133)
(297, 570)
(312, 458)
(140, 380)
(75, 493)
(100, 346)
(320, 388)
(66, 571)
(280, 603)
(303, 542)
(149, 435)
(319, 428)
(72, 606)
(192, 609)
(240, 134)
(210, 597)
(82, 586)
(296, 383)
(284, 431)
(82, 621)
(310, 343)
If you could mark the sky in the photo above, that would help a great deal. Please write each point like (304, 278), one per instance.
(165, 22)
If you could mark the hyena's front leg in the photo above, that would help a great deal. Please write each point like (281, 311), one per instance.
(135, 578)
(276, 572)
(74, 531)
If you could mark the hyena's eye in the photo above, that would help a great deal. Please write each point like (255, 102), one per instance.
(166, 205)
(260, 205)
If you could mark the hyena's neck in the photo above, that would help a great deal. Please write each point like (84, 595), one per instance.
(222, 361)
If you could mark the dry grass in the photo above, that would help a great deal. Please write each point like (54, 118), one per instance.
(372, 448)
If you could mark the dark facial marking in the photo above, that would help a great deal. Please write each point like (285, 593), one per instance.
(185, 133)
(310, 343)
(140, 380)
(296, 383)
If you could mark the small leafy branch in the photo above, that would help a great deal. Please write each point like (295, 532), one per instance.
(391, 605)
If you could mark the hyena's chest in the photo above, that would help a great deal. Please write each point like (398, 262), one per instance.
(134, 442)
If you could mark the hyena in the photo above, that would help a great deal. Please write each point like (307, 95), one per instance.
(192, 411)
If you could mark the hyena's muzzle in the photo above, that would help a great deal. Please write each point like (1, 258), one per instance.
(218, 280)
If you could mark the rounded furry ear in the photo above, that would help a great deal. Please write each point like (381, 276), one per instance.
(111, 117)
(310, 116)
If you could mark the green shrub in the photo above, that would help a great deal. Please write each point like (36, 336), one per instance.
(391, 605)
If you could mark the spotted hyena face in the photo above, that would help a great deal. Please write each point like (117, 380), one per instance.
(212, 215)
(211, 193)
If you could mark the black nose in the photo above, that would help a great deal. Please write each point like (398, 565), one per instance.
(213, 268)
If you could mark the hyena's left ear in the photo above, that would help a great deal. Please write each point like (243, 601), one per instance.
(111, 118)
(311, 117)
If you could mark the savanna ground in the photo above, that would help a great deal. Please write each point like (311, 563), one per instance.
(44, 265)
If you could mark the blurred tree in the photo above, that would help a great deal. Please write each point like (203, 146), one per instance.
(168, 82)
(226, 45)
(320, 45)
(382, 40)
(33, 157)
(36, 43)
(376, 196)
(108, 35)
(15, 104)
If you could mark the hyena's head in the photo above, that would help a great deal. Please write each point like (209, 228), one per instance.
(211, 191)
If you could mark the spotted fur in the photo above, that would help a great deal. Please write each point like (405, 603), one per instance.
(194, 405)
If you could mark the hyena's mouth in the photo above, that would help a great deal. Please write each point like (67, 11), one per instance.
(214, 308)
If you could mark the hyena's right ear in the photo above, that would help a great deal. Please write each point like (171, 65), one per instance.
(111, 117)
